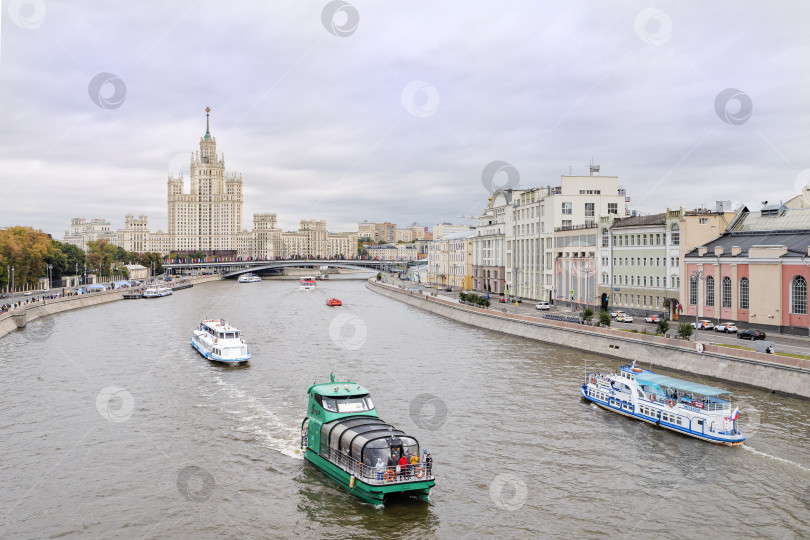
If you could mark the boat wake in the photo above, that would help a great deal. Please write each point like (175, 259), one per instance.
(783, 460)
(259, 421)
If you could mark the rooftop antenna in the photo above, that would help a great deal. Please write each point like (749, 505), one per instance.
(570, 170)
(594, 168)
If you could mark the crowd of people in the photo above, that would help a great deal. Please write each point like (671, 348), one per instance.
(405, 467)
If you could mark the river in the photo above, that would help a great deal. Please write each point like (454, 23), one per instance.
(112, 425)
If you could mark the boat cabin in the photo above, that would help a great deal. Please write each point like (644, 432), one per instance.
(220, 330)
(663, 389)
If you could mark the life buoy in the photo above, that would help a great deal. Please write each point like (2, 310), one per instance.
(637, 370)
(389, 475)
(419, 473)
(593, 380)
(652, 397)
(670, 403)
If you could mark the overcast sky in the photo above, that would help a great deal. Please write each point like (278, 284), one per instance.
(389, 111)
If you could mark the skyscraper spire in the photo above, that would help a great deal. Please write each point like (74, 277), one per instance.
(207, 131)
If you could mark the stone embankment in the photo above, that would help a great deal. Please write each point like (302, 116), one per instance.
(18, 318)
(778, 373)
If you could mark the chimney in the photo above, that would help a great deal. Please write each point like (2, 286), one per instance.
(736, 250)
(702, 251)
(718, 250)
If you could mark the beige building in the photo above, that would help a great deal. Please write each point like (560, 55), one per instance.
(136, 271)
(575, 252)
(444, 229)
(450, 261)
(366, 230)
(83, 231)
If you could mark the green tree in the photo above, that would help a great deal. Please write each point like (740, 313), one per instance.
(663, 327)
(604, 318)
(587, 315)
(101, 256)
(685, 330)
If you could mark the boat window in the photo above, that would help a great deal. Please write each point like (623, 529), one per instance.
(345, 405)
(409, 447)
(374, 450)
(640, 393)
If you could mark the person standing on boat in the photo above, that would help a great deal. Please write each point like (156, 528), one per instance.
(428, 464)
(413, 461)
(380, 467)
(403, 466)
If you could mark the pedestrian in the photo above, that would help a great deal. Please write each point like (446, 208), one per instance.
(380, 467)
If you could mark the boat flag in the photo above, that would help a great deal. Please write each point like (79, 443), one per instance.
(735, 414)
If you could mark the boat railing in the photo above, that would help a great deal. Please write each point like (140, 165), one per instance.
(710, 406)
(370, 475)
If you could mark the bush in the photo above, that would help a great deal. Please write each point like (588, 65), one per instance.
(604, 318)
(685, 330)
(663, 327)
(463, 296)
(379, 276)
(587, 315)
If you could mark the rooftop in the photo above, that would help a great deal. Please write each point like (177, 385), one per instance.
(638, 221)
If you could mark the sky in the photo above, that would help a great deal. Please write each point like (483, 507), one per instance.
(391, 111)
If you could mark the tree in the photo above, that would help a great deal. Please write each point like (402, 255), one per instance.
(101, 255)
(685, 330)
(379, 276)
(663, 327)
(587, 315)
(604, 318)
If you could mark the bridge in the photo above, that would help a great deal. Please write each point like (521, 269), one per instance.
(233, 269)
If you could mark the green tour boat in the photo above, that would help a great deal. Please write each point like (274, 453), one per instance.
(345, 439)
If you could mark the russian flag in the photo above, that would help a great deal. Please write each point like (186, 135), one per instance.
(735, 414)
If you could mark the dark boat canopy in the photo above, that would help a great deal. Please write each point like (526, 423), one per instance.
(366, 439)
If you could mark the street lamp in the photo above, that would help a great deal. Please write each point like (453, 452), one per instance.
(76, 273)
(50, 275)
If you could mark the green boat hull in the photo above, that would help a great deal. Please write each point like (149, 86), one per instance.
(374, 494)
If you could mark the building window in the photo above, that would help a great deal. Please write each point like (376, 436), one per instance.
(744, 293)
(675, 234)
(605, 238)
(566, 223)
(726, 292)
(588, 209)
(692, 290)
(658, 282)
(704, 221)
(566, 208)
(710, 291)
(613, 208)
(798, 296)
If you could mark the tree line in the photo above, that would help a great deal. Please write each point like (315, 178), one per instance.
(30, 251)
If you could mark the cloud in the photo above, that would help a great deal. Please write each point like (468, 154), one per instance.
(316, 123)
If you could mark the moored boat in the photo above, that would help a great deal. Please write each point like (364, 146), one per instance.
(307, 283)
(157, 292)
(334, 302)
(249, 278)
(689, 408)
(218, 341)
(346, 440)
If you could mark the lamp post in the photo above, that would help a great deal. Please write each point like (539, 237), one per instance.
(76, 273)
(13, 291)
(50, 275)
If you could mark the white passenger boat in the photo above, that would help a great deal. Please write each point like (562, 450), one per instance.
(689, 408)
(218, 341)
(307, 283)
(249, 278)
(157, 292)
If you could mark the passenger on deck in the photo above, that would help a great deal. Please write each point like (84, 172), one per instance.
(380, 468)
(428, 464)
(403, 467)
(413, 461)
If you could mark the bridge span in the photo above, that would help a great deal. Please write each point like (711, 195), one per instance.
(233, 269)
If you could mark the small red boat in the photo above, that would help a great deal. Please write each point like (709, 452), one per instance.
(334, 302)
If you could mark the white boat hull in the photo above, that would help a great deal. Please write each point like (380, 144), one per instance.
(235, 354)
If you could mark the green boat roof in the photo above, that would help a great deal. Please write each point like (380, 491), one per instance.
(338, 389)
(672, 382)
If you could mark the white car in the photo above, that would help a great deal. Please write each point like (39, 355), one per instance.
(624, 318)
(704, 324)
(726, 327)
(616, 312)
(543, 305)
(652, 319)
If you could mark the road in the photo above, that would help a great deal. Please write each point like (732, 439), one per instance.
(781, 343)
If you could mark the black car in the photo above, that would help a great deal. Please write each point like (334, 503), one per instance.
(751, 334)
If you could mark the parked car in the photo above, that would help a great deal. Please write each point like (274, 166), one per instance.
(615, 313)
(652, 319)
(543, 305)
(726, 327)
(624, 318)
(750, 333)
(705, 324)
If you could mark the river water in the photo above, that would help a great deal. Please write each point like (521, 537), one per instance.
(112, 425)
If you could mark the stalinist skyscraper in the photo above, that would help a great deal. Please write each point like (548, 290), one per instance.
(209, 217)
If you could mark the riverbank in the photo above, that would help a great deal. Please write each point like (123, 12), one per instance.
(20, 317)
(781, 374)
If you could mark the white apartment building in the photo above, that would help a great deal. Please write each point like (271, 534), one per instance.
(450, 260)
(82, 231)
(445, 229)
(489, 246)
